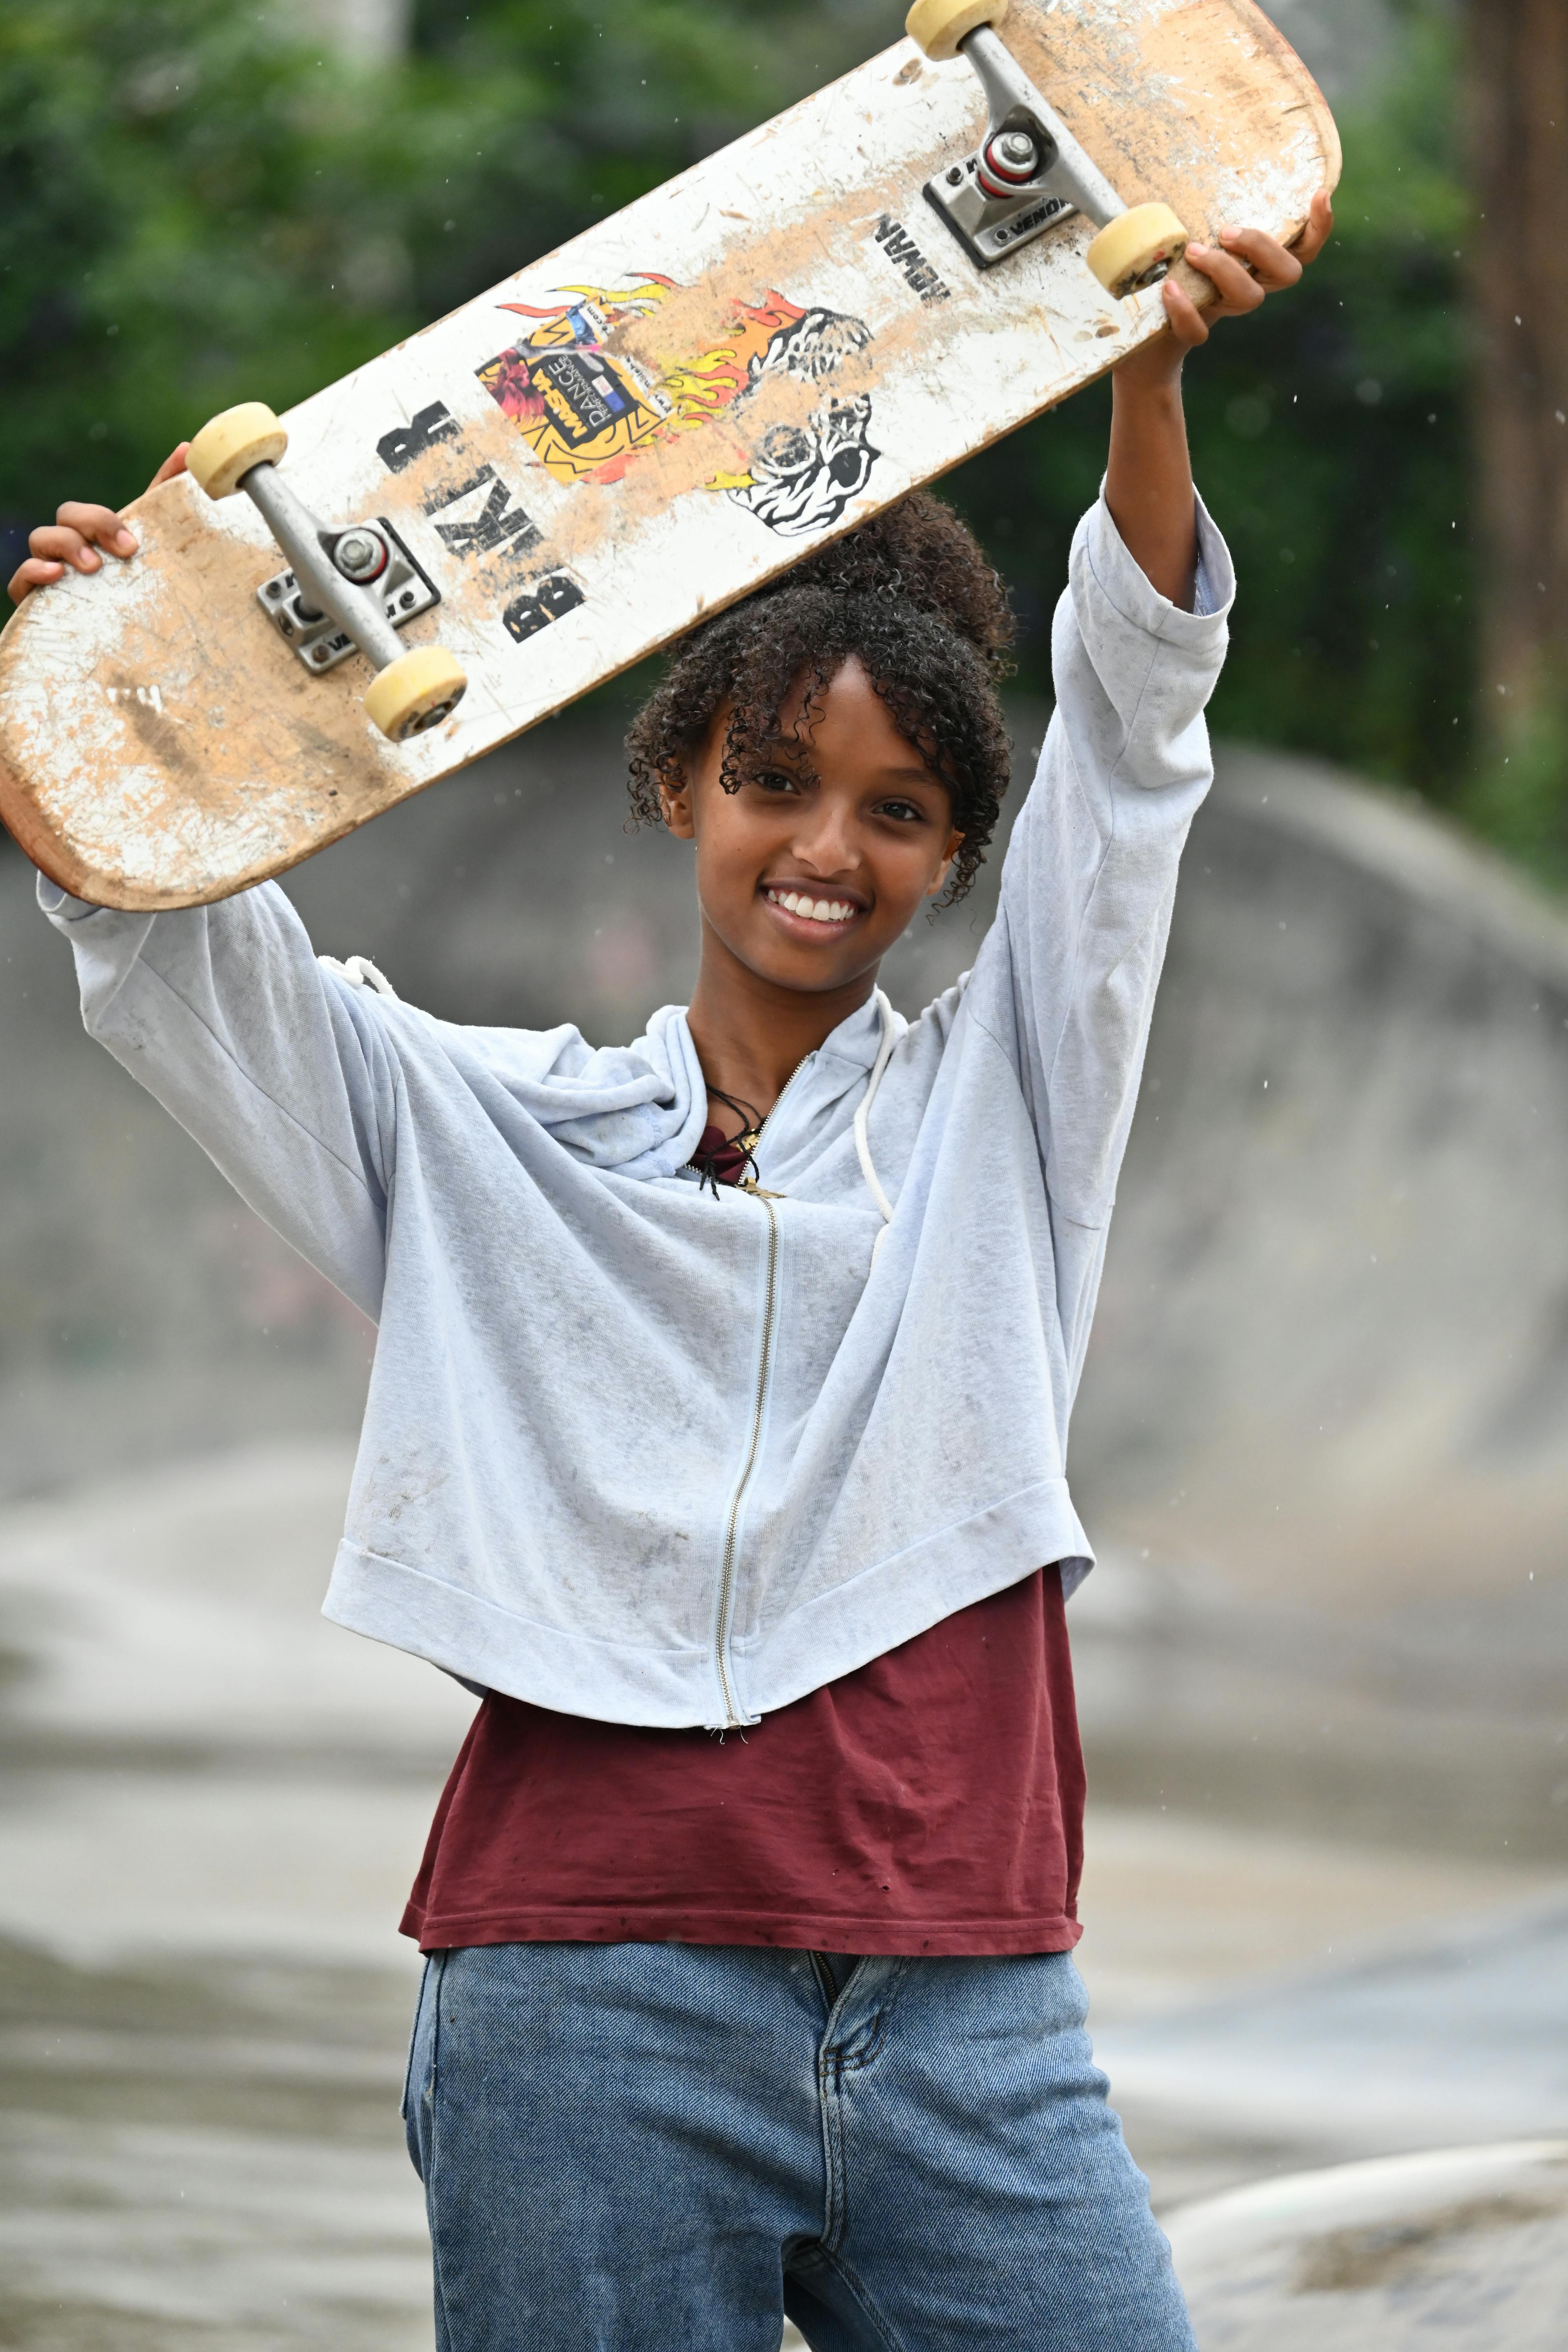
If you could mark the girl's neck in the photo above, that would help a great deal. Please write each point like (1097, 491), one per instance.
(751, 1035)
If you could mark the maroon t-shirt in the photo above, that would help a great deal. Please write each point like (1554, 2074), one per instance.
(930, 1801)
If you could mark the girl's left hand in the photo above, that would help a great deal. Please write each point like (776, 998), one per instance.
(1246, 265)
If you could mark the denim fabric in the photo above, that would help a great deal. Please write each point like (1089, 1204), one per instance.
(630, 2147)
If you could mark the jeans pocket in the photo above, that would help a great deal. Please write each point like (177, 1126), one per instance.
(419, 2075)
(414, 2038)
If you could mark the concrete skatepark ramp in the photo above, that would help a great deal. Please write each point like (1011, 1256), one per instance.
(1325, 1416)
(1336, 1331)
(1464, 2246)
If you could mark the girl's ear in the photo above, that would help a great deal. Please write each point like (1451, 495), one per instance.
(677, 800)
(938, 880)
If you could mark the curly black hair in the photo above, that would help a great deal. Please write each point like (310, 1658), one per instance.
(911, 595)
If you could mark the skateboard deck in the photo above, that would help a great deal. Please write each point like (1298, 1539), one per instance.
(625, 437)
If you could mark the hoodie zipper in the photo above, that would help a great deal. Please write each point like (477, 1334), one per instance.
(764, 1366)
(727, 1573)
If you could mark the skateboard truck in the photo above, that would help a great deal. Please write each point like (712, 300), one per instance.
(1029, 172)
(367, 553)
(352, 587)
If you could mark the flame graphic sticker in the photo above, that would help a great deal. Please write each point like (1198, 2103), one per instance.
(585, 409)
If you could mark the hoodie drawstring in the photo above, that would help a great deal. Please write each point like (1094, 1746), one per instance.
(862, 1143)
(360, 973)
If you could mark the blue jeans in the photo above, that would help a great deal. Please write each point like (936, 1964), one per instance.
(633, 2148)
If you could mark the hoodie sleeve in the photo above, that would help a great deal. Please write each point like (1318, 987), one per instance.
(1065, 983)
(281, 1072)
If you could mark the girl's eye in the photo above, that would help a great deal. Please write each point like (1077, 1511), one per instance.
(905, 811)
(774, 780)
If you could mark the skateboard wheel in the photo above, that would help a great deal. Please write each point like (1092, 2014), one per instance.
(227, 448)
(937, 26)
(1137, 249)
(415, 691)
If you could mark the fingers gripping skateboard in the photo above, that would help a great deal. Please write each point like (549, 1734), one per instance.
(1029, 171)
(414, 688)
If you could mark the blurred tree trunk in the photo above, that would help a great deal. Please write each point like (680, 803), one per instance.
(1518, 63)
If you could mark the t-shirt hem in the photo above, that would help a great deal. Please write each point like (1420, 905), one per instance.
(877, 1936)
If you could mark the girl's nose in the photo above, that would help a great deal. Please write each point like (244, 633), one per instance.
(826, 842)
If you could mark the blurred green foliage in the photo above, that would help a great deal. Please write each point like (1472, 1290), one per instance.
(204, 202)
(1517, 791)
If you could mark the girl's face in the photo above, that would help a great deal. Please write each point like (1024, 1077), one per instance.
(809, 873)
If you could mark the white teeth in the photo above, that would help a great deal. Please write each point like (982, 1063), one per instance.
(815, 910)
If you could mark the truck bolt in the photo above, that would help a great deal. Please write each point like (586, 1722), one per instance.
(360, 555)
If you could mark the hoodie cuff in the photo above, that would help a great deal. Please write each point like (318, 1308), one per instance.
(1127, 588)
(60, 906)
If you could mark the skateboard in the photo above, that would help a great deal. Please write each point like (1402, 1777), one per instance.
(334, 610)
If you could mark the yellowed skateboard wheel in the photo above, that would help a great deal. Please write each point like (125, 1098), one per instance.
(227, 448)
(937, 26)
(416, 691)
(1137, 248)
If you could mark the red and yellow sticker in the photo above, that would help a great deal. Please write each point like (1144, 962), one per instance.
(584, 410)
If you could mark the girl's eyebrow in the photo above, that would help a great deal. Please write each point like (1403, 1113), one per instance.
(793, 754)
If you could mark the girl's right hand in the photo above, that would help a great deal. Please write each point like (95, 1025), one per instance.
(76, 535)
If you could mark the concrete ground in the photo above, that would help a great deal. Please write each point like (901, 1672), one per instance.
(1449, 2248)
(212, 1804)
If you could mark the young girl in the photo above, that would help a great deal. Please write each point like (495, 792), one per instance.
(716, 1434)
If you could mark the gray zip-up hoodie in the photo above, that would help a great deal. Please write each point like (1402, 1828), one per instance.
(638, 1453)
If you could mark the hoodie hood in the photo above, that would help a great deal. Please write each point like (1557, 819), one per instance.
(639, 1110)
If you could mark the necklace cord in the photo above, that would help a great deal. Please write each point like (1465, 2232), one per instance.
(747, 1136)
(743, 1140)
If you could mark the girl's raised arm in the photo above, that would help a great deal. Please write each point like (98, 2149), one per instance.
(285, 1076)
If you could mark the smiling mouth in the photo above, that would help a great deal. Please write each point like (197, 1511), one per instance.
(830, 913)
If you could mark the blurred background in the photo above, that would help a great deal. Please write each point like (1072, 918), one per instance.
(1322, 1442)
